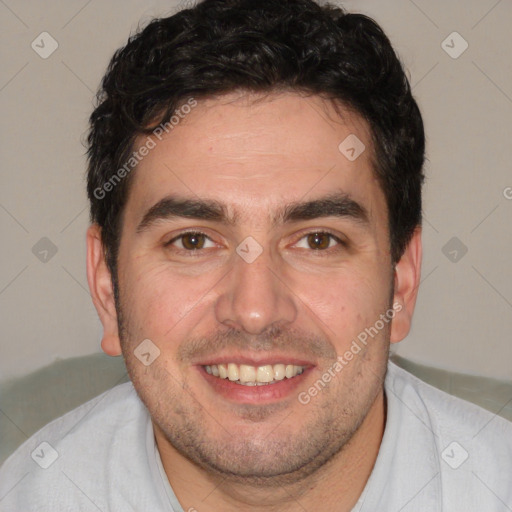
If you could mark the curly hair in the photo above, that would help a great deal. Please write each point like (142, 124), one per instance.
(220, 46)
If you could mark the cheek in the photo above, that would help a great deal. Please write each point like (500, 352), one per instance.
(156, 299)
(347, 303)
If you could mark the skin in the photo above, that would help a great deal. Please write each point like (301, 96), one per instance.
(254, 154)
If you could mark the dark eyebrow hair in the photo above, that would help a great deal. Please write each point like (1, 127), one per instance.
(172, 207)
(333, 205)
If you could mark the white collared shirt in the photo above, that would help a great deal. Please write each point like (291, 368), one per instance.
(438, 453)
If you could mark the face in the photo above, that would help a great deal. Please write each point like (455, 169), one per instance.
(253, 253)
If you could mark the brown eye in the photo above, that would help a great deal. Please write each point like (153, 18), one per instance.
(192, 241)
(319, 240)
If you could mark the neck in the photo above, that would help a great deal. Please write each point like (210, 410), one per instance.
(337, 485)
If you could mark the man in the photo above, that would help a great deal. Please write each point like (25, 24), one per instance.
(255, 174)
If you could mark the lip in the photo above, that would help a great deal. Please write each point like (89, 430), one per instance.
(254, 394)
(255, 361)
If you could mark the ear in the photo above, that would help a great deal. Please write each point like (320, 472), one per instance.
(407, 281)
(102, 292)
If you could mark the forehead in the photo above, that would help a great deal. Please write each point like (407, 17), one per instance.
(258, 152)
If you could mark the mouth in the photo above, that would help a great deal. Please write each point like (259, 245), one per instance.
(256, 383)
(247, 375)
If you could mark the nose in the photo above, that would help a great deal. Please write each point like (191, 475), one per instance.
(255, 297)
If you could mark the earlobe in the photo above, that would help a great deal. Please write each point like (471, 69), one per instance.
(111, 345)
(100, 285)
(407, 280)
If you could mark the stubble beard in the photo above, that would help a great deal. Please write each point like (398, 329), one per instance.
(283, 457)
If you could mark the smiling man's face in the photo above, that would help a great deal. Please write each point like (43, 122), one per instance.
(249, 240)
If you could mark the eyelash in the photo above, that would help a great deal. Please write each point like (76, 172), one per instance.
(197, 252)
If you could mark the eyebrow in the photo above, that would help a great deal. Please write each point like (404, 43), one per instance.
(339, 205)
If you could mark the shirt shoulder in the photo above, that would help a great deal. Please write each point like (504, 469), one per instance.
(76, 421)
(448, 414)
(93, 457)
(473, 447)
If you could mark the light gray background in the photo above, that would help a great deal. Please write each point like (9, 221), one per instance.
(464, 311)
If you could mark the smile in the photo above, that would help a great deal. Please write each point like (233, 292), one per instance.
(247, 375)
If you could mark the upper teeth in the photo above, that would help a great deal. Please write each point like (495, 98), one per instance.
(254, 375)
